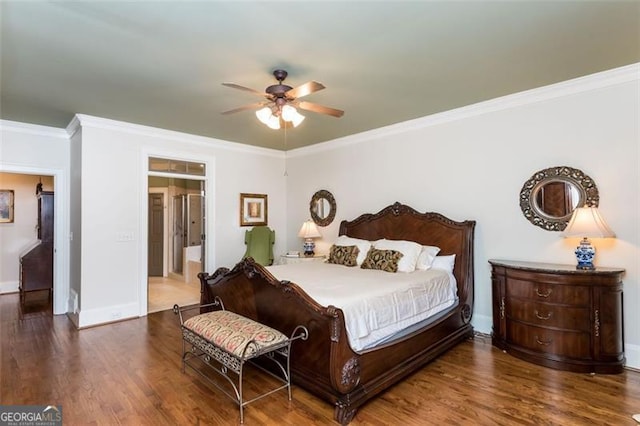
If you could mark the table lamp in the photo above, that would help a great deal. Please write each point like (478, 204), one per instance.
(586, 222)
(309, 231)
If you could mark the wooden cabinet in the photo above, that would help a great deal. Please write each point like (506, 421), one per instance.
(559, 316)
(36, 264)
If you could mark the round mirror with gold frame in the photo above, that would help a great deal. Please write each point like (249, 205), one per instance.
(549, 197)
(322, 208)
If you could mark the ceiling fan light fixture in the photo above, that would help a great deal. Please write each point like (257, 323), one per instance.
(279, 98)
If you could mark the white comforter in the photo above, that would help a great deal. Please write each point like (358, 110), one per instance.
(376, 304)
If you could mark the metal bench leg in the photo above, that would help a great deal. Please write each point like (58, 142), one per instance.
(240, 393)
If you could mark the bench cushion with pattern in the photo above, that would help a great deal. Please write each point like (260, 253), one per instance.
(232, 332)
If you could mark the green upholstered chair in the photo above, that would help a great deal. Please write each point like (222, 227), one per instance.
(259, 241)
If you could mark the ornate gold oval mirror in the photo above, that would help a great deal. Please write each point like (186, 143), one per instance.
(549, 197)
(322, 208)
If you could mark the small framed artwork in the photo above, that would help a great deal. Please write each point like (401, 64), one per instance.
(6, 205)
(253, 209)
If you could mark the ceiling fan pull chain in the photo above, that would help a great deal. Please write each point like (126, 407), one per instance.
(285, 151)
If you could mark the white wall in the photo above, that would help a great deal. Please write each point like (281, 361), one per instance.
(19, 235)
(114, 202)
(472, 163)
(41, 150)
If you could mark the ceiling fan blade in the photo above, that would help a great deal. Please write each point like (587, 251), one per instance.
(304, 89)
(309, 106)
(246, 89)
(244, 108)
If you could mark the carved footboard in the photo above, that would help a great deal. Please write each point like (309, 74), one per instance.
(326, 365)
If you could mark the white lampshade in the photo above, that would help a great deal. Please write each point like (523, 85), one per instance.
(288, 112)
(297, 119)
(264, 114)
(309, 230)
(587, 222)
(273, 122)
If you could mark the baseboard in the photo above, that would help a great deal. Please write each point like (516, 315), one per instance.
(632, 353)
(482, 323)
(92, 317)
(9, 287)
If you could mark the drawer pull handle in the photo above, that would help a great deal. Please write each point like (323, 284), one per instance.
(540, 317)
(543, 294)
(542, 342)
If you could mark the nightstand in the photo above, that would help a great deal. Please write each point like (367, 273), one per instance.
(287, 260)
(559, 316)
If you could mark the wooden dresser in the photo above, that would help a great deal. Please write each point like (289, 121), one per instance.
(558, 316)
(36, 265)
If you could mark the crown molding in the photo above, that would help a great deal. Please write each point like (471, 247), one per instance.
(32, 129)
(584, 84)
(83, 120)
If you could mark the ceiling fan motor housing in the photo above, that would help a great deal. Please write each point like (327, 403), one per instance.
(278, 90)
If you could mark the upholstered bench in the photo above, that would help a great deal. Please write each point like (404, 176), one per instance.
(225, 341)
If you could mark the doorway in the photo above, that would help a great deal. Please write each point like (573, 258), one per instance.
(27, 254)
(176, 217)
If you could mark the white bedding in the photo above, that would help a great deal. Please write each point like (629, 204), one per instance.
(376, 304)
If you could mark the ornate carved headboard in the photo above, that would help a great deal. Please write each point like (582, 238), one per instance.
(401, 222)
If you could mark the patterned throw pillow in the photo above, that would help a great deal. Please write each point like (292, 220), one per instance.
(343, 255)
(383, 260)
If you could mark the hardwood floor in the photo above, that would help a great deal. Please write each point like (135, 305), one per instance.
(129, 373)
(165, 292)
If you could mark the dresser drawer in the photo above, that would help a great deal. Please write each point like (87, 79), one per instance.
(575, 345)
(550, 293)
(549, 315)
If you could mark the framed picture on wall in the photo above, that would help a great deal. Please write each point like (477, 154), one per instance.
(253, 209)
(6, 205)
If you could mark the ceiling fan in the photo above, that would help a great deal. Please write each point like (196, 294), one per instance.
(279, 108)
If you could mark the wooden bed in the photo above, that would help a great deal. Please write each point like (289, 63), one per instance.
(325, 364)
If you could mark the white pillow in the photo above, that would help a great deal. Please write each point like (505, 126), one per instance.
(444, 262)
(363, 246)
(409, 249)
(426, 257)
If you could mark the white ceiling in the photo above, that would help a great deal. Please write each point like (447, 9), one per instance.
(161, 63)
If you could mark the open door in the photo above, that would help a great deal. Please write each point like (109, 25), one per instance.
(156, 235)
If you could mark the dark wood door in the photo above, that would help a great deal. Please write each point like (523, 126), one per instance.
(156, 235)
